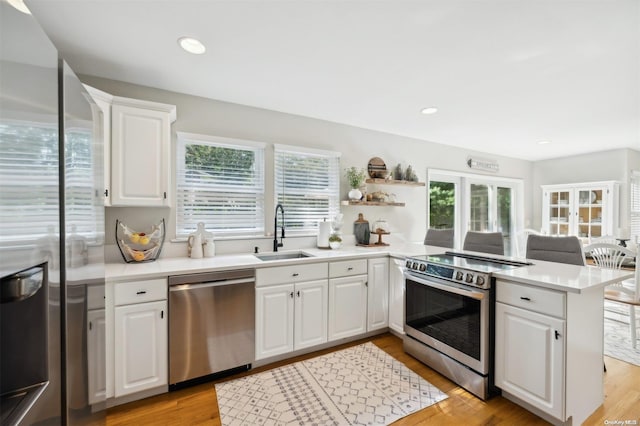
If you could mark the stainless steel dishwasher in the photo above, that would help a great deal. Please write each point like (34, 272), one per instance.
(211, 325)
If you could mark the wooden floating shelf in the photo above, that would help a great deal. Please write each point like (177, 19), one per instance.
(369, 203)
(394, 182)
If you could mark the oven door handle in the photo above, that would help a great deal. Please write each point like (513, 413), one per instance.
(452, 289)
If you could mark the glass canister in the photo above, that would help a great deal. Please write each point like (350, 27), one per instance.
(380, 226)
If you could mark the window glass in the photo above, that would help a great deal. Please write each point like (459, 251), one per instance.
(219, 182)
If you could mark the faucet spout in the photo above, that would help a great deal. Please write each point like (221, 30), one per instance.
(277, 244)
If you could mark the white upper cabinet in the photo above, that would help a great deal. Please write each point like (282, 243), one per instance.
(140, 148)
(102, 132)
(586, 210)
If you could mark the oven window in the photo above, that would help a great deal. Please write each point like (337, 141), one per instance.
(448, 317)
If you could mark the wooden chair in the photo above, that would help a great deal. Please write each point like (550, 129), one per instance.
(626, 292)
(485, 242)
(555, 249)
(439, 238)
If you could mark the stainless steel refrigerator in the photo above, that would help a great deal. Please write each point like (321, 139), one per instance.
(51, 235)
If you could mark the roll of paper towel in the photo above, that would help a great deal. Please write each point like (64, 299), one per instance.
(324, 229)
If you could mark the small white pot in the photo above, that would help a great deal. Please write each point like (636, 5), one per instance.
(355, 194)
(335, 244)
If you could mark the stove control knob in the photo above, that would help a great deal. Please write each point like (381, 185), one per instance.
(480, 280)
(459, 275)
(415, 266)
(469, 278)
(423, 267)
(408, 264)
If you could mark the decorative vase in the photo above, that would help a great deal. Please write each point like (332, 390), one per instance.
(355, 194)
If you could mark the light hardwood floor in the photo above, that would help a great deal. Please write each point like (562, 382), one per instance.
(197, 405)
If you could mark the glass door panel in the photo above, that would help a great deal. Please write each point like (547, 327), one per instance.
(442, 207)
(479, 220)
(559, 212)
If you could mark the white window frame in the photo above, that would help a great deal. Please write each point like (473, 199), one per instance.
(331, 192)
(185, 226)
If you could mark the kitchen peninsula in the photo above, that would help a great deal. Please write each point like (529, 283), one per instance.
(574, 292)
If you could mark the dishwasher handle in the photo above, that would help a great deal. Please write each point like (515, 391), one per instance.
(183, 287)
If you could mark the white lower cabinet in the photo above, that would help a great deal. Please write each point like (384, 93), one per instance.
(137, 336)
(549, 350)
(396, 295)
(530, 357)
(347, 306)
(141, 347)
(377, 293)
(292, 315)
(96, 355)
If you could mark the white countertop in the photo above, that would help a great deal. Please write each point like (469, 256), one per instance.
(557, 276)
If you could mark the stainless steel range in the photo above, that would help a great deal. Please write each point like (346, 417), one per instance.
(449, 316)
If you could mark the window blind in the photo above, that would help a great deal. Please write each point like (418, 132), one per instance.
(29, 184)
(307, 184)
(635, 206)
(220, 182)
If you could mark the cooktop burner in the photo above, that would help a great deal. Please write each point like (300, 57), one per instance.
(464, 268)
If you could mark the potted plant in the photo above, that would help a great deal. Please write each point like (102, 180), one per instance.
(335, 241)
(356, 178)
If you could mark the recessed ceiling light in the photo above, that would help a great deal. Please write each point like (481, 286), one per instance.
(19, 4)
(544, 142)
(192, 45)
(429, 110)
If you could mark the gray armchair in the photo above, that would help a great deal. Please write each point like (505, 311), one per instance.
(485, 242)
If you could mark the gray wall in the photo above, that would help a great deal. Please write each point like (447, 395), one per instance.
(357, 145)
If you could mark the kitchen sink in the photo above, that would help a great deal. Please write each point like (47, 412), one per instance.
(283, 255)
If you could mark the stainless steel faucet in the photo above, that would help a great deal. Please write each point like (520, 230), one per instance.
(277, 244)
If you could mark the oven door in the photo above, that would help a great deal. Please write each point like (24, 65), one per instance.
(449, 317)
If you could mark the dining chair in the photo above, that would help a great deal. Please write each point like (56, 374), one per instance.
(485, 242)
(626, 292)
(439, 237)
(555, 249)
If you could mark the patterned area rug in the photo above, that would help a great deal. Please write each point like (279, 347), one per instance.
(617, 338)
(361, 385)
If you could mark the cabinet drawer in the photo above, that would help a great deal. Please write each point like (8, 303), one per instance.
(345, 268)
(535, 299)
(292, 273)
(140, 291)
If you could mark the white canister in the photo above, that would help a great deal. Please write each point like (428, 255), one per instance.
(324, 230)
(209, 247)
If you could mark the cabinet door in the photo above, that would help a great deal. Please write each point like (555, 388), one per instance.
(311, 305)
(140, 347)
(378, 294)
(557, 211)
(140, 142)
(96, 355)
(274, 320)
(396, 295)
(529, 359)
(347, 306)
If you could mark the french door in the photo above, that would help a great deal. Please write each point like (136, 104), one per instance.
(489, 207)
(467, 202)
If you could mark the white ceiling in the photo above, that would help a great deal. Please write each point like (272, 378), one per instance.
(504, 74)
